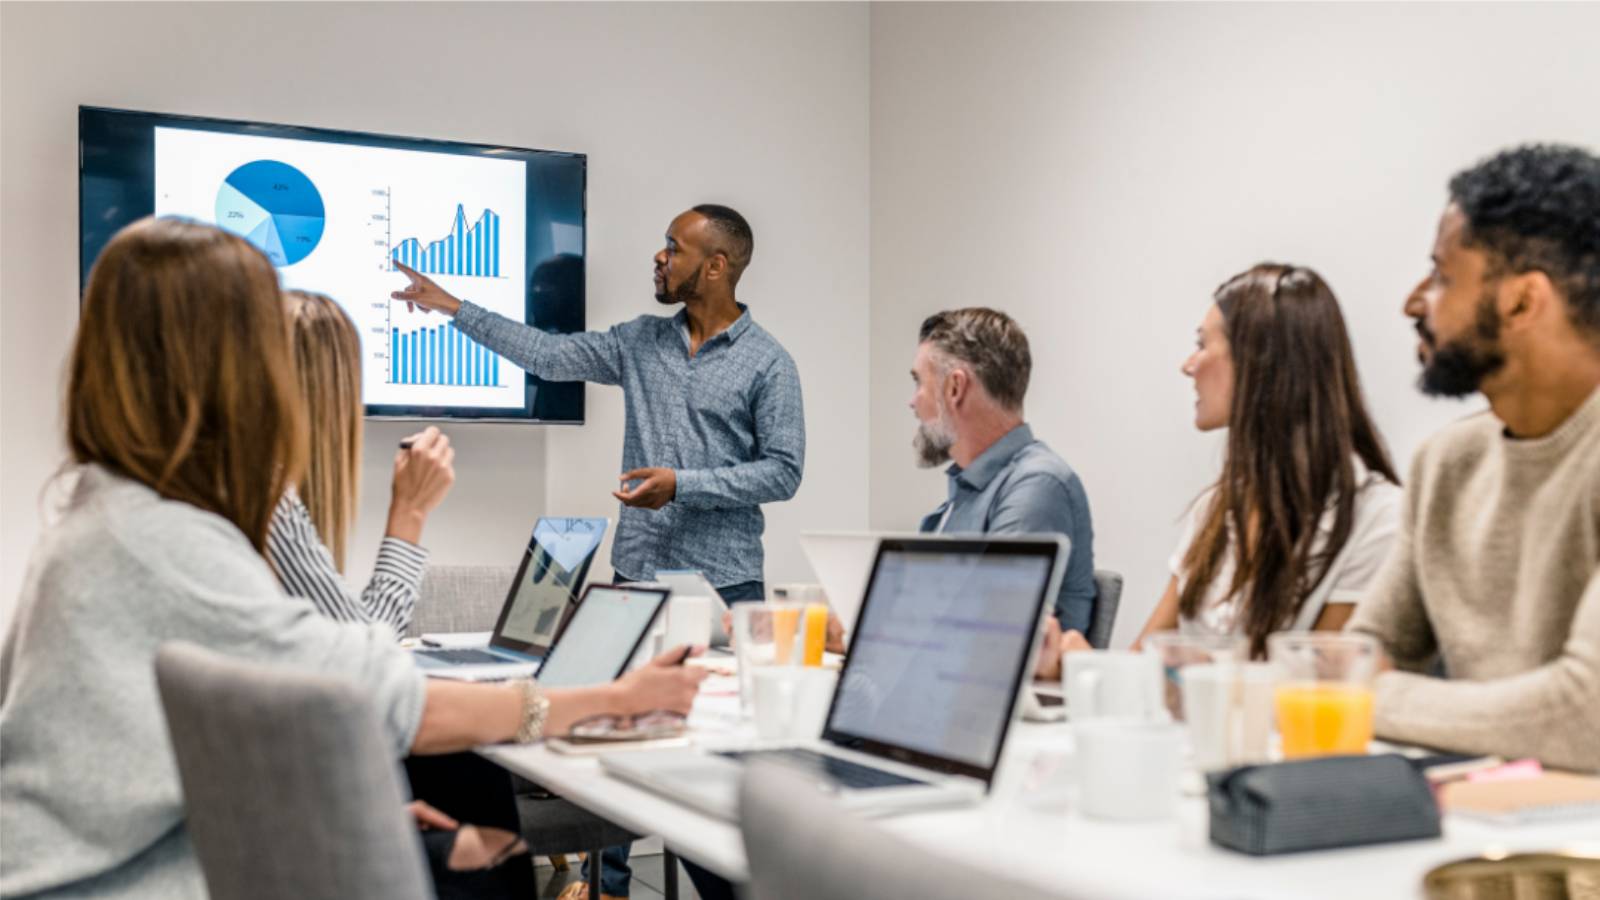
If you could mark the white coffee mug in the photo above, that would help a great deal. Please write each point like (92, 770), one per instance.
(1228, 710)
(688, 621)
(1127, 768)
(791, 702)
(1113, 683)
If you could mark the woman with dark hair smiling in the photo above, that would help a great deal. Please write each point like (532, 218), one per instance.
(1308, 503)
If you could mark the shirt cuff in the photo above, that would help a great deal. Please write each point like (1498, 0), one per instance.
(470, 317)
(692, 486)
(402, 559)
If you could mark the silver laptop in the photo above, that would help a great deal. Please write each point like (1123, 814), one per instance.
(842, 562)
(944, 645)
(542, 597)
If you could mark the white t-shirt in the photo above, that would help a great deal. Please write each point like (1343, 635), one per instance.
(1377, 518)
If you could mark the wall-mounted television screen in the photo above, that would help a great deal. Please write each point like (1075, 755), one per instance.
(335, 210)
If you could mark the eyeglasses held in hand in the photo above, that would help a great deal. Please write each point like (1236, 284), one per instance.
(649, 726)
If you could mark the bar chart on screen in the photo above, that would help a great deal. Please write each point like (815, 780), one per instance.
(441, 355)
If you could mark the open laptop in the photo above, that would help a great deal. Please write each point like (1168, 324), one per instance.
(944, 646)
(541, 599)
(842, 561)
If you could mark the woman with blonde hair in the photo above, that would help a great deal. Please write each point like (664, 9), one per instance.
(184, 429)
(311, 524)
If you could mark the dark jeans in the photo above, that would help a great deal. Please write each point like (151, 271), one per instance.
(748, 590)
(616, 876)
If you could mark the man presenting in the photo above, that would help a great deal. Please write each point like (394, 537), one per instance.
(714, 424)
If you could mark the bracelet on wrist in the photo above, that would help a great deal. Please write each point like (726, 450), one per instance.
(535, 710)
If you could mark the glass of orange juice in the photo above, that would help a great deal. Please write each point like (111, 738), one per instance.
(1324, 700)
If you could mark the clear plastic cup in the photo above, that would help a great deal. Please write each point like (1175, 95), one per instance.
(1178, 650)
(765, 634)
(1324, 700)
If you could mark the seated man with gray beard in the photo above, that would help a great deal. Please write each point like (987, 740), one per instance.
(971, 373)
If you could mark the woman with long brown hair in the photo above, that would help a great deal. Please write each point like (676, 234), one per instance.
(184, 429)
(311, 524)
(1308, 502)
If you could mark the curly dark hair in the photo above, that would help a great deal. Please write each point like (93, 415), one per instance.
(1537, 208)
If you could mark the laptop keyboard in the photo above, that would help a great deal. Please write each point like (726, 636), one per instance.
(463, 657)
(838, 771)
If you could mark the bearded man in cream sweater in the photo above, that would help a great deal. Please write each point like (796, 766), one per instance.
(1496, 571)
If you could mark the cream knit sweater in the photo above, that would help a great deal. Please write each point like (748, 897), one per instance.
(1496, 571)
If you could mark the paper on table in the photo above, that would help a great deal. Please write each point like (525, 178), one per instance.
(1549, 797)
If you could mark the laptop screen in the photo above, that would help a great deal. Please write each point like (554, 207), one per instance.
(602, 637)
(940, 651)
(552, 571)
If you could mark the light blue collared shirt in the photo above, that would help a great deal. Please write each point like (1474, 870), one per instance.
(729, 420)
(1020, 486)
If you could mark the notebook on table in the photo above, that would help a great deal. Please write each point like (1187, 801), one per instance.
(1550, 797)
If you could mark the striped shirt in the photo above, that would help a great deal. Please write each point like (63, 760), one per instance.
(306, 569)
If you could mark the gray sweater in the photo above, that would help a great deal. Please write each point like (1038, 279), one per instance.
(90, 802)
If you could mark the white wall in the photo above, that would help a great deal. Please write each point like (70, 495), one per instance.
(761, 106)
(1096, 170)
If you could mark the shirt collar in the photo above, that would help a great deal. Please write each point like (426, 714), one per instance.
(739, 326)
(991, 461)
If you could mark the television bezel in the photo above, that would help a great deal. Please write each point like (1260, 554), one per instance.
(380, 412)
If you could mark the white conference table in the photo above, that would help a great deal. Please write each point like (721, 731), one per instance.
(1028, 831)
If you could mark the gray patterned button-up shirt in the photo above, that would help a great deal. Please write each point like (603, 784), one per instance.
(728, 420)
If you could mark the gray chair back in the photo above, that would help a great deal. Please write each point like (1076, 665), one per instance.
(461, 598)
(1107, 597)
(290, 789)
(802, 845)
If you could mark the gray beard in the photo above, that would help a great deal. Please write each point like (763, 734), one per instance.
(932, 444)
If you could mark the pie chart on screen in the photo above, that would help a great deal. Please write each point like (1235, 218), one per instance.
(274, 206)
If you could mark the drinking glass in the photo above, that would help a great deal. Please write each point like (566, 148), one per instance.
(764, 634)
(1324, 700)
(1178, 650)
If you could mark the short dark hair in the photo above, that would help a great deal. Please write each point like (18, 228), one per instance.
(989, 341)
(734, 238)
(1537, 208)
